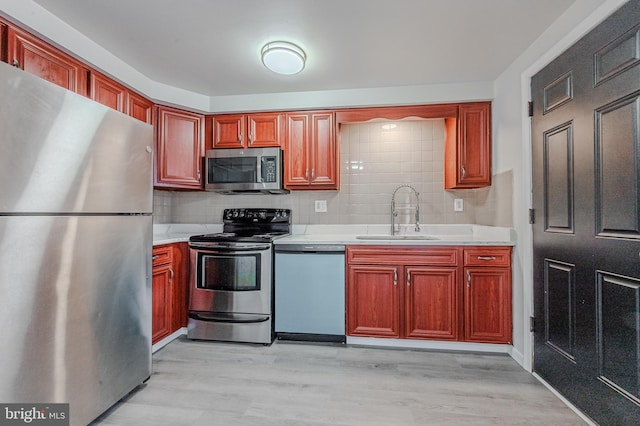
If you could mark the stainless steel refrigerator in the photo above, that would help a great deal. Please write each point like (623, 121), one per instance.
(75, 248)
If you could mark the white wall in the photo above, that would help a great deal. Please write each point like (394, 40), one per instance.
(511, 149)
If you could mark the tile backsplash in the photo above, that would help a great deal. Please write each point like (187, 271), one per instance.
(375, 158)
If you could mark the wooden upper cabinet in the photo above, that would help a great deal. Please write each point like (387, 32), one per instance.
(139, 107)
(4, 40)
(247, 130)
(108, 92)
(179, 149)
(468, 147)
(39, 58)
(311, 152)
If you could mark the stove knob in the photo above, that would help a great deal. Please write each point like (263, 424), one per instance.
(235, 213)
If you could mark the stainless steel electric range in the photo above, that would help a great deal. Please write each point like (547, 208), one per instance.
(231, 278)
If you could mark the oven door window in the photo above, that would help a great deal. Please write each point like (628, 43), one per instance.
(239, 272)
(233, 170)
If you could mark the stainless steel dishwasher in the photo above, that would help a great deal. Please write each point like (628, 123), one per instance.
(310, 292)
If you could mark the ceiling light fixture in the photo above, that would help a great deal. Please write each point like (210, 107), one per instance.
(283, 57)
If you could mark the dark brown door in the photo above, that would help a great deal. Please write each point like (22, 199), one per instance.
(586, 197)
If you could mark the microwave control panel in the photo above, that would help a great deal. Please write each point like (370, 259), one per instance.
(269, 168)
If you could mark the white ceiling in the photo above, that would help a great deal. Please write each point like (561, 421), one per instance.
(212, 47)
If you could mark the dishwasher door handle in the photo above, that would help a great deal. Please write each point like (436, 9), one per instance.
(310, 248)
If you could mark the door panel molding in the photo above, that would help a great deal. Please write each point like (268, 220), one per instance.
(617, 57)
(618, 306)
(558, 92)
(617, 168)
(559, 307)
(558, 163)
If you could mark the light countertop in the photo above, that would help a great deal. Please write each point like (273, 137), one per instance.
(428, 235)
(167, 233)
(358, 234)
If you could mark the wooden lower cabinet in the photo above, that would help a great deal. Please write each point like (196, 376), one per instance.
(403, 292)
(432, 303)
(419, 292)
(487, 295)
(168, 290)
(161, 302)
(373, 301)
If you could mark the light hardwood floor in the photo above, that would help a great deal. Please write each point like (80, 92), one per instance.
(210, 383)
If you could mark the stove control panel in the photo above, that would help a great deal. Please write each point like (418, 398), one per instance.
(256, 215)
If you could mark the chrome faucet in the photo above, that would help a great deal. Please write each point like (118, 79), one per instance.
(394, 213)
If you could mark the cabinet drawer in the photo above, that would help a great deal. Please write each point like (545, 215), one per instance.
(487, 256)
(407, 255)
(162, 255)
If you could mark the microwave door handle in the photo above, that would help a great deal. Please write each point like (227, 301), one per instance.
(259, 169)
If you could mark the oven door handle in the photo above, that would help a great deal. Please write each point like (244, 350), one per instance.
(228, 317)
(210, 248)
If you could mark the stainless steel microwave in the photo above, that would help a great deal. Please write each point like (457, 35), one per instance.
(231, 171)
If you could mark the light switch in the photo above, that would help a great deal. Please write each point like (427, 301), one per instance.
(458, 205)
(321, 206)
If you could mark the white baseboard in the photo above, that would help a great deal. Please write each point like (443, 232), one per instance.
(429, 344)
(518, 357)
(164, 342)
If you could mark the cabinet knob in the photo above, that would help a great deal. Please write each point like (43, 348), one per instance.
(468, 279)
(16, 63)
(463, 172)
(239, 137)
(408, 278)
(155, 257)
(395, 277)
(250, 138)
(171, 274)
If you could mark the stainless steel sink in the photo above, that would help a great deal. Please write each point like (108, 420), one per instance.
(396, 237)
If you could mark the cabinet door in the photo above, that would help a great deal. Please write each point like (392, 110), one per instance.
(468, 157)
(229, 131)
(432, 303)
(39, 58)
(264, 129)
(4, 39)
(487, 304)
(107, 92)
(179, 149)
(296, 171)
(373, 295)
(180, 285)
(310, 152)
(323, 151)
(139, 107)
(161, 306)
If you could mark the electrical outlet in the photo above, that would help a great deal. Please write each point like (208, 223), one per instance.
(321, 206)
(458, 205)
